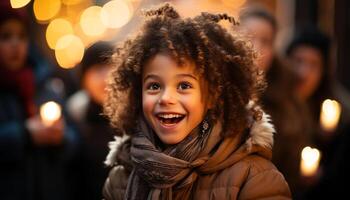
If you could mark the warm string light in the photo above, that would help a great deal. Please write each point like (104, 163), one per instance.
(95, 23)
(69, 51)
(116, 13)
(91, 22)
(45, 10)
(57, 29)
(50, 112)
(19, 3)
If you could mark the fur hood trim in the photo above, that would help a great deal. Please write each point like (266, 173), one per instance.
(113, 149)
(261, 134)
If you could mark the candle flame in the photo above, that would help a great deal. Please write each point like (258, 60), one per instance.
(50, 112)
(310, 158)
(330, 114)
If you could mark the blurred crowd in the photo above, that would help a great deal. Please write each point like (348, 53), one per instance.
(62, 158)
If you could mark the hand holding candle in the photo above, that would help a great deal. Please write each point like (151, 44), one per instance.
(50, 112)
(310, 159)
(330, 114)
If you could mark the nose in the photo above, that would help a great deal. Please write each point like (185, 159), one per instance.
(15, 41)
(167, 97)
(303, 70)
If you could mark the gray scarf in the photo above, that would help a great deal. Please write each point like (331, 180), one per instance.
(159, 174)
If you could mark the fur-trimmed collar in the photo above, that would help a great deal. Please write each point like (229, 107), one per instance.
(261, 134)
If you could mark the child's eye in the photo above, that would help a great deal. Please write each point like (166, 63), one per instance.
(184, 86)
(153, 86)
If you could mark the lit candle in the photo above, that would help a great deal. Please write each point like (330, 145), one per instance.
(50, 112)
(330, 114)
(310, 159)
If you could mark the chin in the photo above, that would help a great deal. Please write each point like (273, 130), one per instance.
(170, 140)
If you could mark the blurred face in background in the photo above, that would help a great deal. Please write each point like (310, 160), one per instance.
(94, 82)
(13, 44)
(308, 65)
(262, 35)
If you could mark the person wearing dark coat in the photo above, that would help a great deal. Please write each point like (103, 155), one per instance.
(33, 155)
(287, 112)
(85, 109)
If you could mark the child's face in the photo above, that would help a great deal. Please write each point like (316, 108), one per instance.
(172, 98)
(13, 44)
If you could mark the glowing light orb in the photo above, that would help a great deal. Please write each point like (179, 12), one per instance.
(69, 51)
(46, 9)
(90, 21)
(19, 3)
(57, 29)
(116, 13)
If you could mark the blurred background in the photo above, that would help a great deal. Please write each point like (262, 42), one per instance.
(54, 63)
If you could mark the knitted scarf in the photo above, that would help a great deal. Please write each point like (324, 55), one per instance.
(170, 173)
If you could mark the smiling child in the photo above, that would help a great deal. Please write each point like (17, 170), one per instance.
(184, 93)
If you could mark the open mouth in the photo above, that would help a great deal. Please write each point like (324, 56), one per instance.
(170, 119)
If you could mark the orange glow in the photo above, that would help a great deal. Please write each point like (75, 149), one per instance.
(71, 2)
(69, 51)
(46, 9)
(56, 29)
(233, 3)
(310, 159)
(330, 114)
(50, 112)
(19, 3)
(87, 40)
(90, 21)
(116, 13)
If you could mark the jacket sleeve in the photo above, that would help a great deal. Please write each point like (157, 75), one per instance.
(269, 184)
(116, 183)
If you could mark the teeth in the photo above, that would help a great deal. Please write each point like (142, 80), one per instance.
(168, 116)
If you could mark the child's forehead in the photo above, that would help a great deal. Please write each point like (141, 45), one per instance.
(168, 64)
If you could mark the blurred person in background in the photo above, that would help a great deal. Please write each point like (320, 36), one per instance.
(292, 133)
(33, 154)
(309, 55)
(85, 108)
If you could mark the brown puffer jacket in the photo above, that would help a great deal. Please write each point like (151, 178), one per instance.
(252, 176)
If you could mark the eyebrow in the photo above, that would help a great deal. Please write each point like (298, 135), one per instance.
(178, 75)
(187, 75)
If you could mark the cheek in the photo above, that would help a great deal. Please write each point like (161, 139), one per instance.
(23, 49)
(314, 78)
(148, 103)
(195, 105)
(5, 50)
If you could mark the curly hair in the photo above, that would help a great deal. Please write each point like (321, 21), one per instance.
(225, 61)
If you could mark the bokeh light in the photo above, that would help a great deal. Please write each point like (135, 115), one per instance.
(50, 112)
(87, 40)
(19, 3)
(90, 21)
(56, 29)
(310, 159)
(44, 10)
(116, 13)
(330, 114)
(71, 2)
(69, 51)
